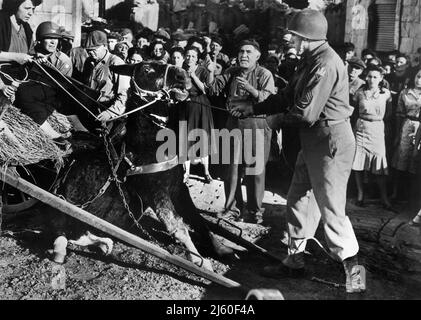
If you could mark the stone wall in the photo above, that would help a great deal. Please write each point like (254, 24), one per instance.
(356, 26)
(63, 12)
(410, 27)
(408, 31)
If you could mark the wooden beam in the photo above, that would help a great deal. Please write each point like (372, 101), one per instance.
(10, 177)
(77, 21)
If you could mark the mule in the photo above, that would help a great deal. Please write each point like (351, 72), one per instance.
(162, 188)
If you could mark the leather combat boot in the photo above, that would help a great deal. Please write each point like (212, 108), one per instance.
(355, 276)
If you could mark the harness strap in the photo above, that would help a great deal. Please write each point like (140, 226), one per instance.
(64, 89)
(152, 168)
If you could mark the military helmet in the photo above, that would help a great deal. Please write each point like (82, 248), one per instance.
(309, 24)
(48, 30)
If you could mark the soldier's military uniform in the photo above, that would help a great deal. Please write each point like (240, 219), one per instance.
(38, 98)
(317, 99)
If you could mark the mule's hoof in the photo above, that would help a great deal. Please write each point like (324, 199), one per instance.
(207, 265)
(107, 246)
(59, 257)
(59, 252)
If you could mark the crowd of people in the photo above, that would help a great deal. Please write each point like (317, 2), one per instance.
(385, 95)
(384, 92)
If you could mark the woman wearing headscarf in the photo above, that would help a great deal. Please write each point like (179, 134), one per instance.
(16, 35)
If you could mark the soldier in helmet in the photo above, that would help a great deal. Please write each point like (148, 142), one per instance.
(38, 99)
(317, 101)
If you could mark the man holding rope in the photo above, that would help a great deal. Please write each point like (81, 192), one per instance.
(38, 98)
(246, 84)
(317, 101)
(98, 76)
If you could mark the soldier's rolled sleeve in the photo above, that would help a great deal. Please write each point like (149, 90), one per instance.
(119, 106)
(310, 103)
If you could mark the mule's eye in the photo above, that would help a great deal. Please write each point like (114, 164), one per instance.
(179, 77)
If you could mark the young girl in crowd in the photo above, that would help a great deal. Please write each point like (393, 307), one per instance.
(135, 56)
(407, 124)
(197, 113)
(177, 56)
(372, 101)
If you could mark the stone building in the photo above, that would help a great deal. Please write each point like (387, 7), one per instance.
(384, 25)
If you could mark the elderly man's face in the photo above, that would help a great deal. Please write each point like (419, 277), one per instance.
(25, 11)
(97, 53)
(248, 56)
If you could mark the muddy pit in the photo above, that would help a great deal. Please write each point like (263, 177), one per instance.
(130, 274)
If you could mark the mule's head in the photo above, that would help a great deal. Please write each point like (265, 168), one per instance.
(154, 76)
(143, 126)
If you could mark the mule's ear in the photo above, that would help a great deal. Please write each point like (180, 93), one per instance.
(124, 69)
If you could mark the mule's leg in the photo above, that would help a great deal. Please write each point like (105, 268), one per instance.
(88, 239)
(184, 204)
(174, 224)
(182, 235)
(59, 250)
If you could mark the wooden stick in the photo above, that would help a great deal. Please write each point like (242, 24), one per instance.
(11, 178)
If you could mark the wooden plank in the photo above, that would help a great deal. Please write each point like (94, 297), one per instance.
(11, 178)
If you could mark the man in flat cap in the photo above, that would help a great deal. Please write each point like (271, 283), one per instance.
(180, 39)
(127, 37)
(98, 76)
(216, 47)
(245, 84)
(355, 68)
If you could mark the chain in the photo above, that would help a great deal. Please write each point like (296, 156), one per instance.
(120, 189)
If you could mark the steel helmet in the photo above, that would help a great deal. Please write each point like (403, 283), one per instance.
(309, 24)
(48, 30)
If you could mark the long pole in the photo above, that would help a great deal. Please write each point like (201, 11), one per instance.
(10, 177)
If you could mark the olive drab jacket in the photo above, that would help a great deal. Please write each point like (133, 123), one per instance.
(318, 90)
(113, 87)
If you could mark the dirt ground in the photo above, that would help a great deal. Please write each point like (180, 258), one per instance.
(26, 273)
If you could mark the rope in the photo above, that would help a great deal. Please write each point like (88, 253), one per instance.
(220, 109)
(65, 90)
(135, 110)
(75, 87)
(8, 77)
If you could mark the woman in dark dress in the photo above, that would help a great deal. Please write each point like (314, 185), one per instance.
(16, 36)
(198, 115)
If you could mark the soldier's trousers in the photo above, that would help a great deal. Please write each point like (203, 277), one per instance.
(319, 186)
